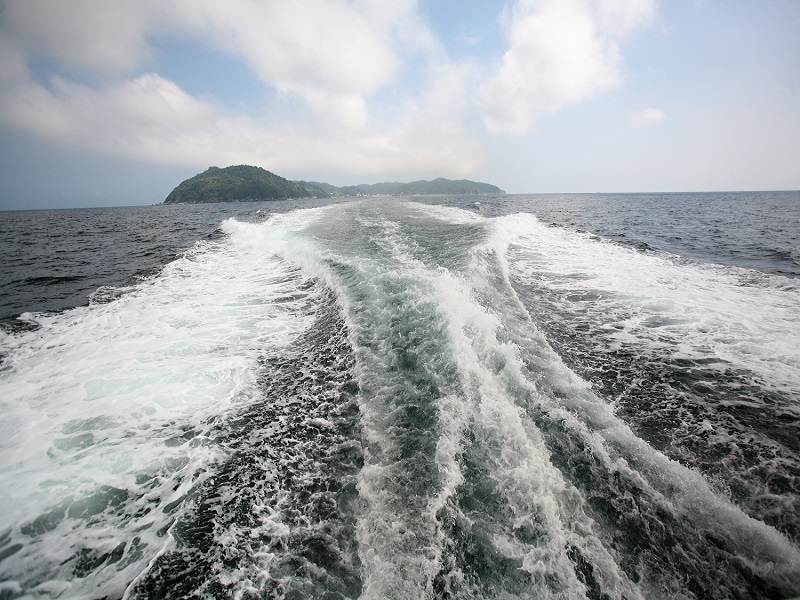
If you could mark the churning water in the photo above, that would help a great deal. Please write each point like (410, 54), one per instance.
(517, 397)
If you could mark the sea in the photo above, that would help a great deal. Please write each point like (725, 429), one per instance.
(573, 396)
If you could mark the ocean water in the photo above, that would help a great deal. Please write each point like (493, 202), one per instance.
(572, 396)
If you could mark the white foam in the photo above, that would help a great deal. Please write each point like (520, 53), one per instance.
(499, 350)
(687, 295)
(449, 214)
(402, 551)
(101, 395)
(668, 305)
(110, 394)
(536, 493)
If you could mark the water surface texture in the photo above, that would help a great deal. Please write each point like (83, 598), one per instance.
(469, 397)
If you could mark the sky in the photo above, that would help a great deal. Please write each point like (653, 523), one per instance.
(115, 103)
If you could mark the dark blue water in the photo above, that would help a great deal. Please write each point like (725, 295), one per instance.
(57, 259)
(751, 230)
(564, 396)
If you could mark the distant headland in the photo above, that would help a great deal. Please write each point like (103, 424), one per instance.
(244, 183)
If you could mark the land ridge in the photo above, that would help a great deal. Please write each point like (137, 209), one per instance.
(246, 183)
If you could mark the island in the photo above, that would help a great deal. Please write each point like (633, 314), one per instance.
(240, 183)
(245, 183)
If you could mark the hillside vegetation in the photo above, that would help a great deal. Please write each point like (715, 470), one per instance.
(241, 183)
(244, 183)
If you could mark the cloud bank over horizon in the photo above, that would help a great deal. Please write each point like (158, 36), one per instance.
(334, 75)
(532, 95)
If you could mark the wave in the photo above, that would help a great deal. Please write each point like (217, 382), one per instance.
(395, 400)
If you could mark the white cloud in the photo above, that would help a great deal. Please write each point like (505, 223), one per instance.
(332, 55)
(620, 17)
(648, 116)
(362, 86)
(94, 36)
(560, 52)
(151, 119)
(304, 44)
(13, 63)
(129, 118)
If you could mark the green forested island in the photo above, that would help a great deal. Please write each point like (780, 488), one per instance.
(244, 183)
(240, 183)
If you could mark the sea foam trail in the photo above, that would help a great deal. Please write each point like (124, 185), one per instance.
(699, 359)
(402, 426)
(483, 451)
(277, 517)
(591, 446)
(107, 410)
(665, 304)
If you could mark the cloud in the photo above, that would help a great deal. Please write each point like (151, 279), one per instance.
(648, 116)
(151, 119)
(327, 52)
(92, 36)
(360, 86)
(129, 118)
(330, 53)
(560, 52)
(324, 61)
